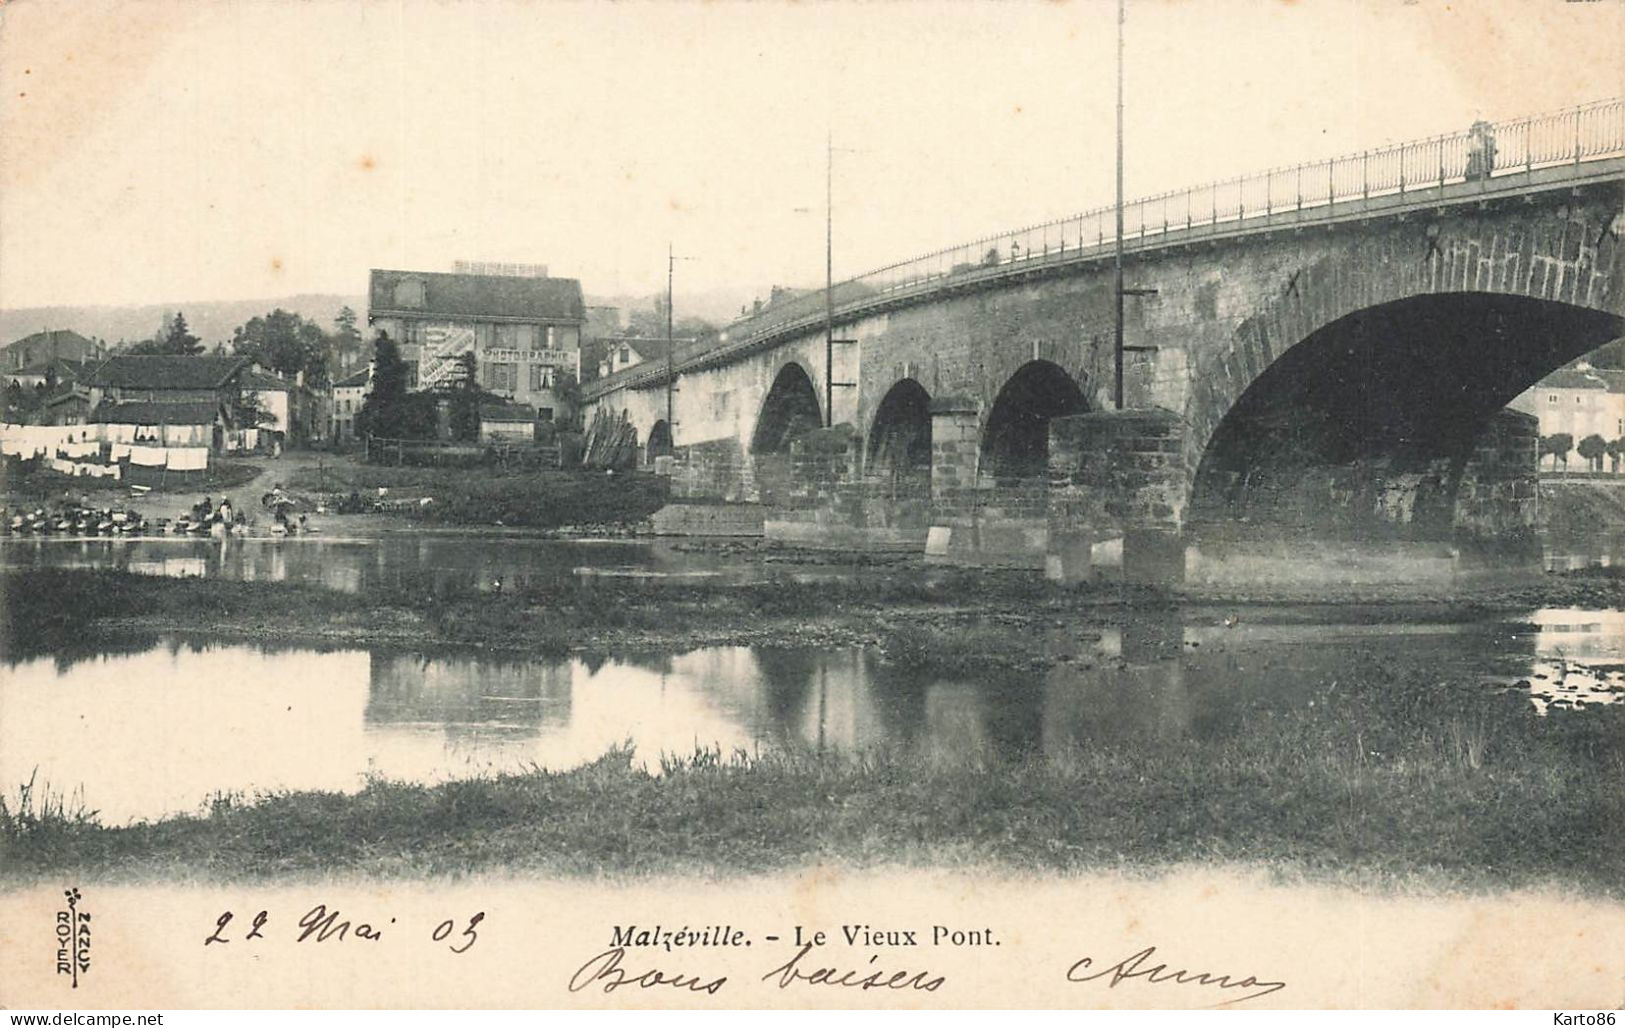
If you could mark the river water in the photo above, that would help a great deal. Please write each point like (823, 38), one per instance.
(158, 725)
(364, 564)
(424, 560)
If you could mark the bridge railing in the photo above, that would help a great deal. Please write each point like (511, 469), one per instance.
(1486, 152)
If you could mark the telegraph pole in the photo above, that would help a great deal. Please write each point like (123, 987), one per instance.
(829, 279)
(671, 378)
(1117, 292)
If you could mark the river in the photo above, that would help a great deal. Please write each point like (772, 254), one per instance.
(156, 726)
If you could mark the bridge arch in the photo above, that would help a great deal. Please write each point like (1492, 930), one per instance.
(1401, 390)
(790, 410)
(900, 435)
(660, 443)
(1015, 439)
(1567, 253)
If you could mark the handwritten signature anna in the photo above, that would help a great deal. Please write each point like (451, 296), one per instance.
(1138, 966)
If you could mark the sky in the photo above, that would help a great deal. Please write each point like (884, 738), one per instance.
(162, 151)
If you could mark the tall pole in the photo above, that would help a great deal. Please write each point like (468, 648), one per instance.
(1117, 292)
(671, 422)
(829, 279)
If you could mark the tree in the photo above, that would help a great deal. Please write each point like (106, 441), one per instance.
(1592, 448)
(568, 393)
(247, 412)
(465, 394)
(377, 413)
(173, 338)
(389, 411)
(1558, 445)
(347, 343)
(1616, 452)
(285, 343)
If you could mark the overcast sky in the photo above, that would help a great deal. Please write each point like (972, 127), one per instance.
(155, 151)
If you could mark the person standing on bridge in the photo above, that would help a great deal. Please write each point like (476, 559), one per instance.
(1480, 150)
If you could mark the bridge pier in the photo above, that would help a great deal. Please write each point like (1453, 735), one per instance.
(1116, 497)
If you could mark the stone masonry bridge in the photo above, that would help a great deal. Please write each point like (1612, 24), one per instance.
(1323, 351)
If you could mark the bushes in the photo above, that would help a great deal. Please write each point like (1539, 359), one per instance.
(548, 500)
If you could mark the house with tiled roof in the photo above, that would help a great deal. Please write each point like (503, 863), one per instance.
(52, 373)
(169, 390)
(290, 410)
(345, 398)
(524, 330)
(622, 352)
(50, 345)
(1578, 400)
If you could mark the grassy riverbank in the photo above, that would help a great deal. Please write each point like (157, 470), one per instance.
(537, 498)
(1392, 791)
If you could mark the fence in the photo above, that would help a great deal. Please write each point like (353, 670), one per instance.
(439, 453)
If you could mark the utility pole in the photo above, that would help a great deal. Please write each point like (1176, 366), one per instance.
(1117, 291)
(671, 347)
(671, 378)
(829, 279)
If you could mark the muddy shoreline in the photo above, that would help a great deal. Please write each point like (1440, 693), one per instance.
(43, 607)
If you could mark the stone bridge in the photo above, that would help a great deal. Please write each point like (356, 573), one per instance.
(1320, 351)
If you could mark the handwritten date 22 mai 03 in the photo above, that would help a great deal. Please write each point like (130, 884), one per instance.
(322, 925)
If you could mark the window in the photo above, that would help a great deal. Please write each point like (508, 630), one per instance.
(1551, 398)
(409, 292)
(626, 355)
(545, 413)
(411, 333)
(550, 345)
(507, 337)
(541, 377)
(500, 376)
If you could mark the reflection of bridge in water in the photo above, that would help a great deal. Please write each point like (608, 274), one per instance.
(155, 727)
(1151, 681)
(1322, 351)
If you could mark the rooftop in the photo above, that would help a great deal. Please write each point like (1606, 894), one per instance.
(1584, 376)
(56, 336)
(262, 381)
(475, 296)
(167, 372)
(66, 370)
(140, 412)
(497, 411)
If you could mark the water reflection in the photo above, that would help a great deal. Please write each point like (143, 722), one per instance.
(403, 560)
(159, 727)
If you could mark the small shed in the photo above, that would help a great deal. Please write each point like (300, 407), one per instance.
(507, 423)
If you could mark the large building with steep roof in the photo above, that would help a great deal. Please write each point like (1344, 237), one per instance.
(51, 345)
(524, 330)
(1578, 400)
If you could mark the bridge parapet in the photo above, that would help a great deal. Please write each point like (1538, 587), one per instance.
(1537, 152)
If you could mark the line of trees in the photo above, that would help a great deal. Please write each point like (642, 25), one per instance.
(1592, 449)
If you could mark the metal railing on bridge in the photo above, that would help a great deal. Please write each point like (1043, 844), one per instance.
(1486, 152)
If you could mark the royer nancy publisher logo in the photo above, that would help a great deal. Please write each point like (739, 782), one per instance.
(72, 939)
